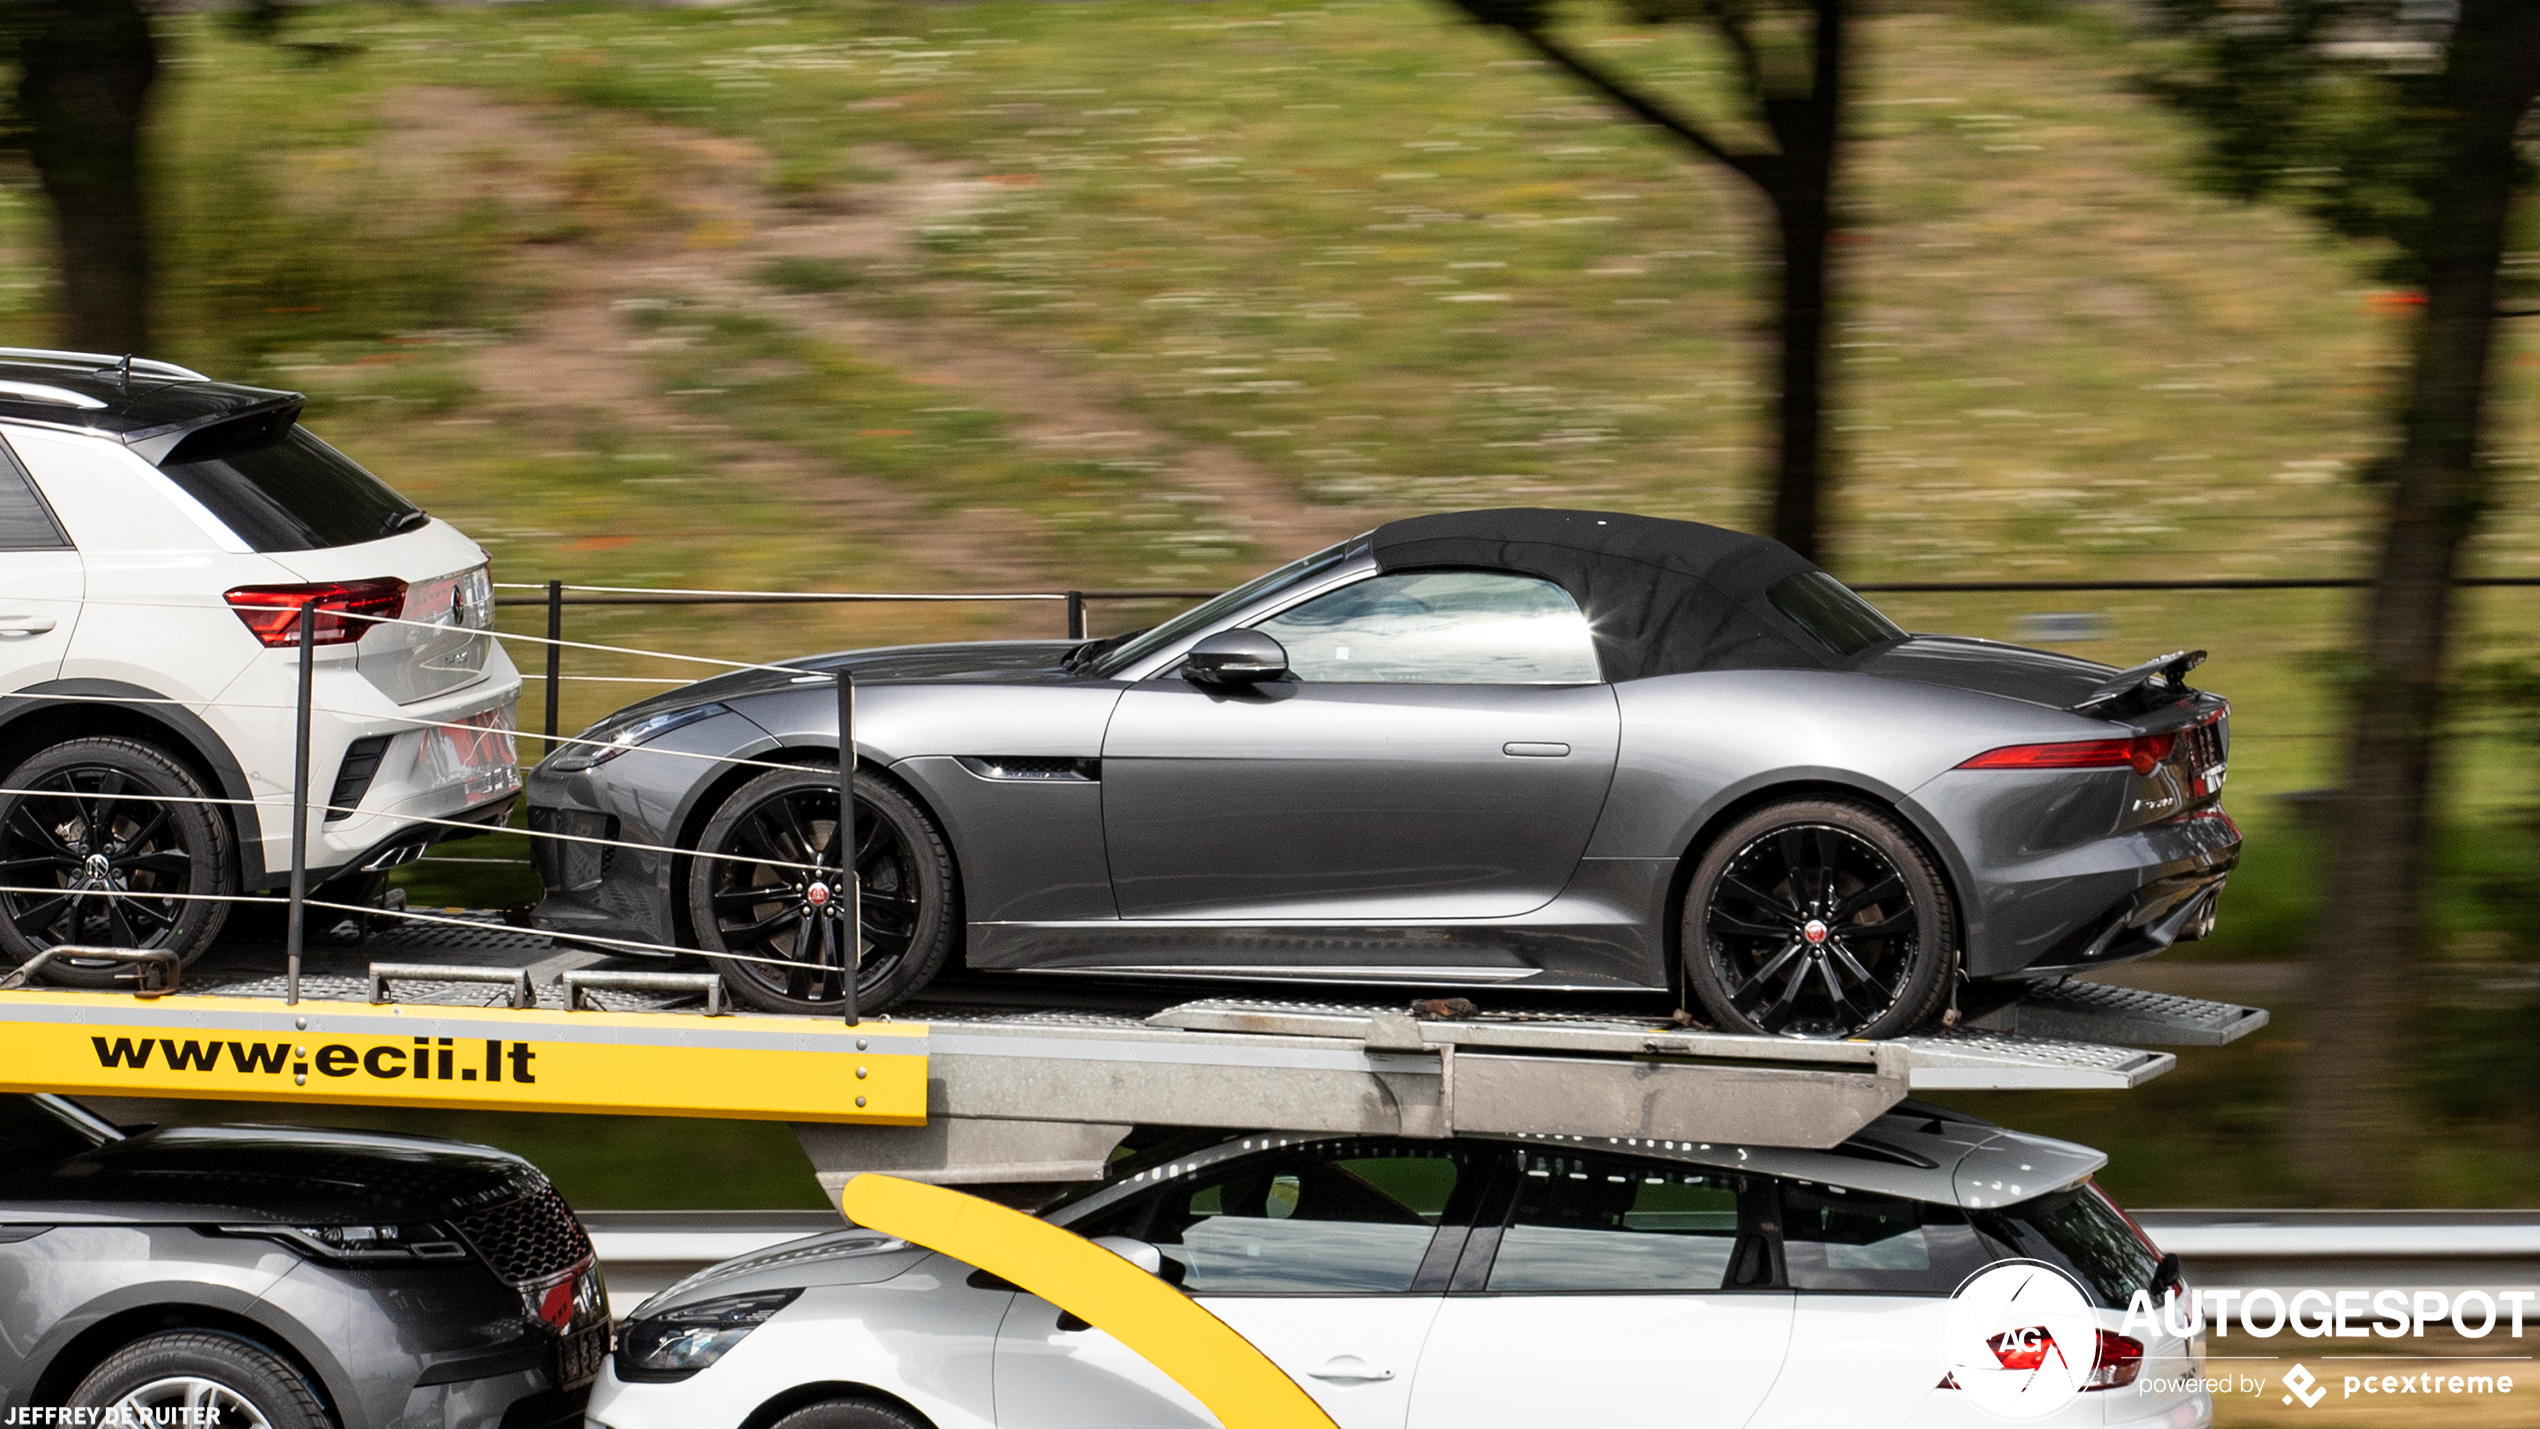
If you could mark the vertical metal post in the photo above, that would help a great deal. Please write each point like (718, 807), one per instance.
(555, 659)
(294, 930)
(842, 841)
(1075, 615)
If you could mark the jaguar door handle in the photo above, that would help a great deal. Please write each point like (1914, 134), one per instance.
(26, 624)
(1351, 1367)
(1529, 749)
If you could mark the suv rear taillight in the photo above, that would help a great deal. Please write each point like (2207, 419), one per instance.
(272, 612)
(2143, 754)
(2119, 1360)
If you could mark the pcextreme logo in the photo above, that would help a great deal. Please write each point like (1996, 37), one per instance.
(2310, 1389)
(431, 1059)
(2305, 1386)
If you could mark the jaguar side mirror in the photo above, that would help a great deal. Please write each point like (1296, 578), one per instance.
(1235, 657)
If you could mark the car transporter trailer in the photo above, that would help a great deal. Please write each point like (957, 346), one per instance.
(979, 1091)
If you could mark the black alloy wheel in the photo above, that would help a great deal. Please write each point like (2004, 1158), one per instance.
(774, 908)
(1816, 918)
(110, 845)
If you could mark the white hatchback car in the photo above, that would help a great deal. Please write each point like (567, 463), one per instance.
(158, 534)
(1448, 1284)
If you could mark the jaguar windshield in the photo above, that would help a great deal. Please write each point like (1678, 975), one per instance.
(1200, 616)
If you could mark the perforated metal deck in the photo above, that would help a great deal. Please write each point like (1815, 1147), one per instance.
(1036, 1079)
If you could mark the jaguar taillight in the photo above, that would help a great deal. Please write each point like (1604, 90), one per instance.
(2142, 753)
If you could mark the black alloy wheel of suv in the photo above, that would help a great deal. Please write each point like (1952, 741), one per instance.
(113, 844)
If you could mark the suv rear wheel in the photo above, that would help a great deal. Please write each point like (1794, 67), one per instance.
(111, 843)
(226, 1380)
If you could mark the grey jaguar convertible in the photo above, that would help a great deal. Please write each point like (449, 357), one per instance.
(1542, 750)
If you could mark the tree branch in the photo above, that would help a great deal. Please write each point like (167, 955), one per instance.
(1730, 20)
(1755, 167)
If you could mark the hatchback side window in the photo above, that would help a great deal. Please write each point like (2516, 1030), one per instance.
(26, 523)
(1599, 1224)
(1838, 1239)
(1439, 628)
(1352, 1218)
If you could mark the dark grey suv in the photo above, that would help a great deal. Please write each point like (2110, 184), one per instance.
(288, 1278)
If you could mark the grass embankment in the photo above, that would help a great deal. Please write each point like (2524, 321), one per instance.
(1027, 295)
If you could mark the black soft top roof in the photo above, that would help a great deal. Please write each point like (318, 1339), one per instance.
(1661, 597)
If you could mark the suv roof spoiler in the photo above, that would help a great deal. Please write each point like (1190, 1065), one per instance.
(199, 438)
(104, 362)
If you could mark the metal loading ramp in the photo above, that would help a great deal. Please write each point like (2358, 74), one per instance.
(979, 1087)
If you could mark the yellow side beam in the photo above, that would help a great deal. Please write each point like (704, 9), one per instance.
(483, 1058)
(1223, 1370)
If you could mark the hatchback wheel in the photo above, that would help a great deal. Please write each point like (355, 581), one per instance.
(774, 911)
(109, 844)
(202, 1378)
(853, 1414)
(1817, 918)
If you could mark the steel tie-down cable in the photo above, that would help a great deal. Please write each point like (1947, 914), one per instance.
(481, 828)
(629, 945)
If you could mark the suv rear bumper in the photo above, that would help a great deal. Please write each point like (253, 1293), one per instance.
(420, 773)
(408, 844)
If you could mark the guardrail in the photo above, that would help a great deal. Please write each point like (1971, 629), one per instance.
(644, 1252)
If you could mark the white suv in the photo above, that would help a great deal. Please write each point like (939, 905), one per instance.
(158, 534)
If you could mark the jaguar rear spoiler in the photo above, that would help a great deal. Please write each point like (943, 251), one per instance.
(2159, 681)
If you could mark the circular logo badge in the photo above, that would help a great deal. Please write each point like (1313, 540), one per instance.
(1815, 932)
(2020, 1340)
(817, 895)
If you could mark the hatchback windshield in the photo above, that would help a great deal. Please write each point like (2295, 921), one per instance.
(2080, 1231)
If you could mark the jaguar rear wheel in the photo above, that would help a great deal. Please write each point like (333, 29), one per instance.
(1819, 918)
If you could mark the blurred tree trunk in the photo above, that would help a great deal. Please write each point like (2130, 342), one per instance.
(1797, 93)
(85, 68)
(2352, 1107)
